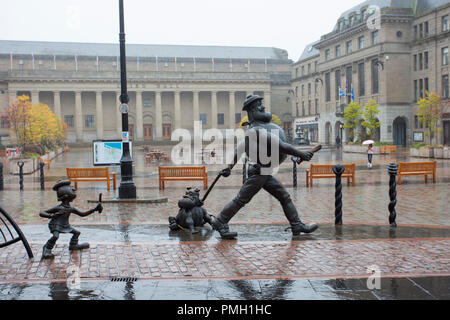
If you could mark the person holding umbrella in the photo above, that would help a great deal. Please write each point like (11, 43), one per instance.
(369, 152)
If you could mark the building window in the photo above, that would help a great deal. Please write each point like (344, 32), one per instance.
(427, 29)
(445, 92)
(327, 54)
(317, 106)
(426, 86)
(352, 20)
(361, 42)
(237, 118)
(147, 103)
(303, 90)
(4, 122)
(415, 62)
(309, 89)
(303, 71)
(309, 68)
(416, 95)
(421, 30)
(203, 118)
(337, 81)
(425, 58)
(296, 109)
(338, 51)
(296, 72)
(416, 122)
(421, 88)
(89, 121)
(315, 66)
(375, 76)
(69, 121)
(374, 37)
(349, 47)
(361, 80)
(416, 34)
(349, 79)
(445, 56)
(420, 61)
(303, 108)
(445, 23)
(309, 107)
(220, 118)
(327, 87)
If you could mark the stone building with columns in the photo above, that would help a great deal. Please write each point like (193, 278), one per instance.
(169, 86)
(386, 50)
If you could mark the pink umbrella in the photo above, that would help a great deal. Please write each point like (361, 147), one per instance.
(368, 142)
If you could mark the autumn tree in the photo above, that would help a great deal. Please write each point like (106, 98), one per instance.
(370, 121)
(430, 111)
(36, 124)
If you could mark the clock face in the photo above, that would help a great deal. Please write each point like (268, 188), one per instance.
(124, 108)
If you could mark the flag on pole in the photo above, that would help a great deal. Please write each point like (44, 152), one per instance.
(54, 61)
(32, 60)
(76, 63)
(213, 64)
(341, 92)
(353, 94)
(248, 66)
(11, 60)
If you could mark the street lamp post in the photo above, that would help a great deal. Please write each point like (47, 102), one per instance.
(127, 188)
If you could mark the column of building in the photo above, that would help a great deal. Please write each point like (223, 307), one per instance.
(99, 114)
(158, 115)
(78, 116)
(232, 110)
(139, 117)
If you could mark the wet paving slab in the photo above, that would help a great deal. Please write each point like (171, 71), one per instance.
(428, 288)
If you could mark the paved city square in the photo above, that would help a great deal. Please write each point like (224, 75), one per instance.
(132, 242)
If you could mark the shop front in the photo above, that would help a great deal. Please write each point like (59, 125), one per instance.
(307, 129)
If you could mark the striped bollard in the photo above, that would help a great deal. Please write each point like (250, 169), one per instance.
(338, 171)
(392, 170)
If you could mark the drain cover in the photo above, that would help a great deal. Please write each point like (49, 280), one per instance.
(124, 279)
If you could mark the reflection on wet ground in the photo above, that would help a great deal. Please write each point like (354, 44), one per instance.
(430, 288)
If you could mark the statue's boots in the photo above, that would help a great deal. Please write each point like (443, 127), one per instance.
(75, 246)
(47, 253)
(297, 226)
(301, 227)
(223, 229)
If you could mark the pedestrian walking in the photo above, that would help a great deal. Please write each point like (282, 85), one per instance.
(369, 155)
(338, 142)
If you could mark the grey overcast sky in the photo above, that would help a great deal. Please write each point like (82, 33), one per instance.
(285, 24)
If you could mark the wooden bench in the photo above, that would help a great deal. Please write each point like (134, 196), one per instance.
(91, 174)
(323, 171)
(388, 149)
(198, 173)
(417, 168)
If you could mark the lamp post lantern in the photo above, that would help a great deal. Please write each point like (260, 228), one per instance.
(127, 188)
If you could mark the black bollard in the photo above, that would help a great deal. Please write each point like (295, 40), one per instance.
(1, 175)
(41, 168)
(392, 170)
(244, 171)
(294, 171)
(338, 171)
(20, 164)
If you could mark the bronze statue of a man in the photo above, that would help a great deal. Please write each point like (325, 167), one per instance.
(59, 218)
(262, 134)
